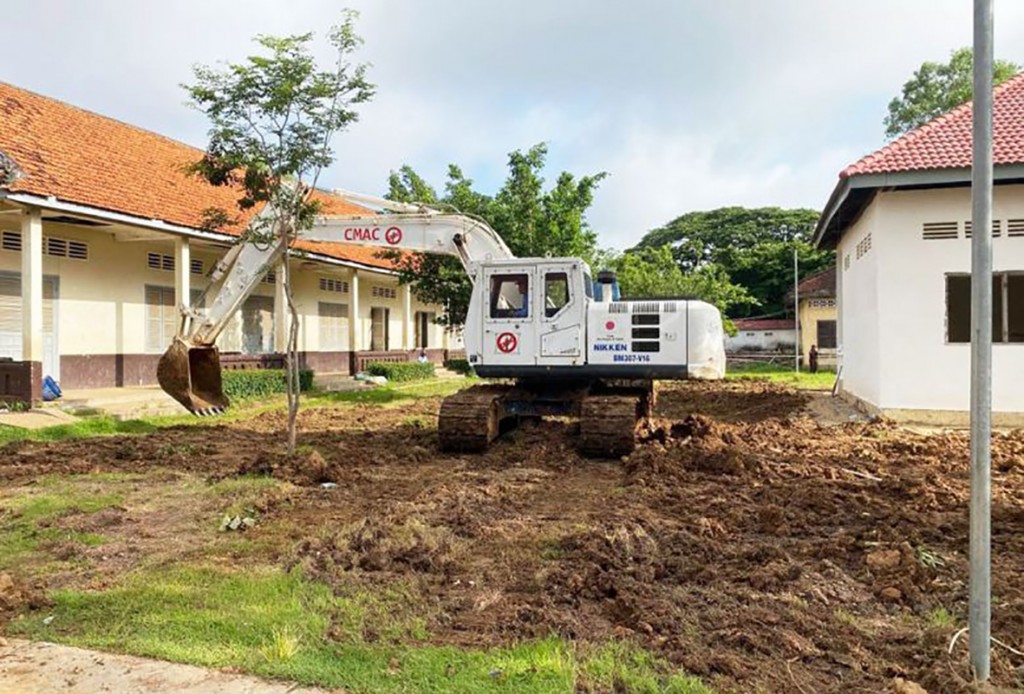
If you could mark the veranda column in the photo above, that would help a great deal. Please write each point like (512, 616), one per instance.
(408, 331)
(355, 334)
(32, 297)
(182, 272)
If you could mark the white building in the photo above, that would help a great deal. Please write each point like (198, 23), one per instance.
(103, 235)
(762, 335)
(899, 220)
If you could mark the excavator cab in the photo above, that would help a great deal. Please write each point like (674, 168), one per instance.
(191, 375)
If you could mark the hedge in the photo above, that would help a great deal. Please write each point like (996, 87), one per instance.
(259, 383)
(401, 370)
(459, 366)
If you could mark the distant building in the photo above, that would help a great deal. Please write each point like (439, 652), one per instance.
(762, 335)
(818, 316)
(899, 220)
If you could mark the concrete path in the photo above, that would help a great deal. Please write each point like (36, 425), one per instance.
(36, 419)
(28, 667)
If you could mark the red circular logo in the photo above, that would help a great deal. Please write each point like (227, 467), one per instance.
(610, 325)
(393, 235)
(507, 342)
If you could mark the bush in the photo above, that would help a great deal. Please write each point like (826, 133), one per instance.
(459, 366)
(401, 370)
(259, 383)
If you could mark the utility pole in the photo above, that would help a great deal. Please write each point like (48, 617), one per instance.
(981, 347)
(796, 306)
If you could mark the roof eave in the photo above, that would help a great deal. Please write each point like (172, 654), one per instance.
(99, 214)
(924, 178)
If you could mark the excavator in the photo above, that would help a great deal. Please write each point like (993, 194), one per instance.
(549, 339)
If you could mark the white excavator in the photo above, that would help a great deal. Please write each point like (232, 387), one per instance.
(560, 343)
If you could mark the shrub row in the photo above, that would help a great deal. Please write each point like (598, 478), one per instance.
(459, 366)
(259, 383)
(401, 371)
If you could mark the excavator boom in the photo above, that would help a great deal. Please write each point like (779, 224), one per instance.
(190, 372)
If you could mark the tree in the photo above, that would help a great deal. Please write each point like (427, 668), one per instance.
(532, 222)
(754, 247)
(937, 88)
(272, 119)
(653, 272)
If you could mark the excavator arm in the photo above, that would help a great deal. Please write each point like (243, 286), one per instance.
(190, 371)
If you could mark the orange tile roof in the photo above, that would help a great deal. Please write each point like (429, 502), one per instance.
(84, 158)
(945, 142)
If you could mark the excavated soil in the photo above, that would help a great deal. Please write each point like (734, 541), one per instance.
(742, 540)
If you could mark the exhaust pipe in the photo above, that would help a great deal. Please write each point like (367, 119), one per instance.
(191, 375)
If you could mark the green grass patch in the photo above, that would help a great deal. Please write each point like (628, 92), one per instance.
(621, 666)
(823, 380)
(103, 425)
(275, 624)
(26, 524)
(85, 428)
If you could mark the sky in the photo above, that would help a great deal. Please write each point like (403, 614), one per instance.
(686, 104)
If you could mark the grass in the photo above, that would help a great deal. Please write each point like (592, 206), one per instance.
(103, 425)
(26, 523)
(941, 617)
(274, 623)
(823, 380)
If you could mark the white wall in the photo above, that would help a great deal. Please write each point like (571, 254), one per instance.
(764, 340)
(858, 307)
(893, 303)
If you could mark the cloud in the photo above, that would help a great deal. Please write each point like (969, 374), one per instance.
(687, 104)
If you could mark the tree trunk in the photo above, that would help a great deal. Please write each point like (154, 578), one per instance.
(292, 379)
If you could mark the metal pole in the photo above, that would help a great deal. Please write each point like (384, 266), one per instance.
(796, 307)
(981, 346)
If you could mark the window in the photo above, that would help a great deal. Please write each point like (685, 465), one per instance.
(382, 292)
(258, 325)
(332, 284)
(826, 334)
(424, 321)
(10, 241)
(822, 303)
(270, 278)
(510, 296)
(863, 246)
(159, 261)
(196, 266)
(65, 248)
(556, 293)
(1007, 307)
(161, 318)
(333, 320)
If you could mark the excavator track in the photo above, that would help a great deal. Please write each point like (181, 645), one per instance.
(471, 419)
(608, 425)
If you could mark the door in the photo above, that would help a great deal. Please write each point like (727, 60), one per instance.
(379, 319)
(11, 324)
(562, 318)
(510, 315)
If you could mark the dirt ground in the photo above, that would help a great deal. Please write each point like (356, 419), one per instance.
(756, 546)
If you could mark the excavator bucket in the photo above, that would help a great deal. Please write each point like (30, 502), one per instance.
(191, 375)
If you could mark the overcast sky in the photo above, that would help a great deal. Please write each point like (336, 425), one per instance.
(689, 105)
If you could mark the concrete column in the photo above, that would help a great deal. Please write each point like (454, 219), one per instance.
(408, 329)
(182, 272)
(281, 317)
(32, 286)
(355, 333)
(446, 338)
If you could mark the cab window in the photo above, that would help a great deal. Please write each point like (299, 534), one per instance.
(556, 292)
(510, 296)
